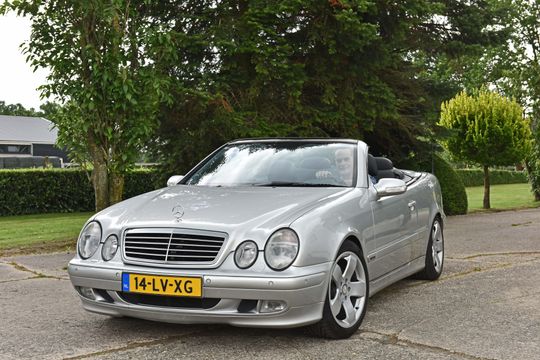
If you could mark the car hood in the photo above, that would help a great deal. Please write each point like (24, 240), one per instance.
(244, 210)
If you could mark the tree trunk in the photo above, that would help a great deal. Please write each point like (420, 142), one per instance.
(116, 187)
(108, 187)
(487, 204)
(533, 180)
(100, 180)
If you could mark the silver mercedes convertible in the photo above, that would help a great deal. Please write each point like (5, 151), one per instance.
(265, 233)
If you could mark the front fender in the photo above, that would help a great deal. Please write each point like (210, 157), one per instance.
(322, 230)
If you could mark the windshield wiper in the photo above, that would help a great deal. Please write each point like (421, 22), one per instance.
(296, 184)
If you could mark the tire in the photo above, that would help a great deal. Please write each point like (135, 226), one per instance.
(347, 295)
(434, 253)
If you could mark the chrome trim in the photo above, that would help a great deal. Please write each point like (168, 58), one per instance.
(168, 245)
(172, 235)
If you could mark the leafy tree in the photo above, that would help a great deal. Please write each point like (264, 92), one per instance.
(519, 75)
(100, 54)
(47, 110)
(343, 68)
(16, 109)
(242, 68)
(512, 67)
(486, 129)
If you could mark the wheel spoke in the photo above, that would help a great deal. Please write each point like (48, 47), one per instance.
(351, 266)
(337, 275)
(358, 289)
(335, 304)
(437, 233)
(350, 314)
(437, 262)
(437, 245)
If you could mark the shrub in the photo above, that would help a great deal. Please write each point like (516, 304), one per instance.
(475, 177)
(142, 180)
(452, 187)
(32, 191)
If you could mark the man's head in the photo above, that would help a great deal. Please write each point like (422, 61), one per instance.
(344, 163)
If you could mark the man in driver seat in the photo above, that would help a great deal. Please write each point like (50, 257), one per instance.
(344, 159)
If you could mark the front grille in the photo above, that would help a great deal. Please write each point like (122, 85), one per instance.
(168, 301)
(172, 246)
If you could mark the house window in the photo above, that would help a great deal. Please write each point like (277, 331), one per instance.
(15, 149)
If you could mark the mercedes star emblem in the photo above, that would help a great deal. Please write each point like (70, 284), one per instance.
(178, 212)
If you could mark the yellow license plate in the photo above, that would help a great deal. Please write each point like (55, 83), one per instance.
(162, 285)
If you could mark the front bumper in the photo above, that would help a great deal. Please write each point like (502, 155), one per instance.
(303, 290)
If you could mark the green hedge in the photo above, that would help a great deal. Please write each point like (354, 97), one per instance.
(32, 191)
(475, 177)
(452, 187)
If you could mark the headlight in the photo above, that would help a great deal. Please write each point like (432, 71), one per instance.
(89, 240)
(108, 250)
(246, 254)
(281, 249)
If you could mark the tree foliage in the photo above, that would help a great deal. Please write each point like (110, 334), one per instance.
(102, 60)
(313, 68)
(518, 70)
(486, 129)
(512, 67)
(368, 69)
(16, 110)
(46, 110)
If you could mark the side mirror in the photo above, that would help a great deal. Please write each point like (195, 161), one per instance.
(389, 187)
(175, 179)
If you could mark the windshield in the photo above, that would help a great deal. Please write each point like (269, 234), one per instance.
(279, 164)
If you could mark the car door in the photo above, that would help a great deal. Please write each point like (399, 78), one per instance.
(395, 222)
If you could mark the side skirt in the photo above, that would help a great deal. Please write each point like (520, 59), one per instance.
(398, 274)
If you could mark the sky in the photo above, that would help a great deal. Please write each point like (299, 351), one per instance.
(18, 82)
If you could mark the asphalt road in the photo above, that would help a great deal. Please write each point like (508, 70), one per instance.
(485, 306)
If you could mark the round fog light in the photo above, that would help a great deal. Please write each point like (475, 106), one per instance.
(246, 254)
(110, 246)
(269, 306)
(87, 292)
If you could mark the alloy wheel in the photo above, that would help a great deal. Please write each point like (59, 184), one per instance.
(437, 247)
(347, 289)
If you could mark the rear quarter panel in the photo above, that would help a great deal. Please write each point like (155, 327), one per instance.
(429, 204)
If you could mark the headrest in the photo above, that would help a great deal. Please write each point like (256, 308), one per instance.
(384, 163)
(316, 163)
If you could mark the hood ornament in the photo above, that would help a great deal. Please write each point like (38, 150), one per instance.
(178, 212)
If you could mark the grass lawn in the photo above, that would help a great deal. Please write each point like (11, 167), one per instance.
(45, 232)
(503, 197)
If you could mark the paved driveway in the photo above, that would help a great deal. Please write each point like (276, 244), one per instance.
(485, 306)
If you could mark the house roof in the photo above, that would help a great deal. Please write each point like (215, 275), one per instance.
(27, 129)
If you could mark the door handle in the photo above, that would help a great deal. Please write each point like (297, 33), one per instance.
(411, 205)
